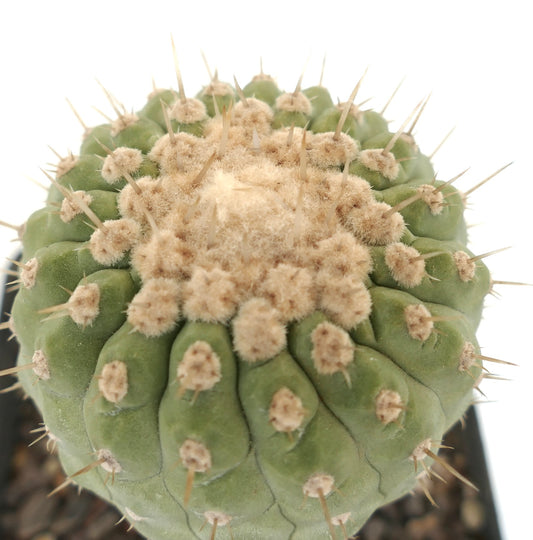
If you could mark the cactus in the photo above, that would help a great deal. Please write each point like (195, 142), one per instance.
(248, 314)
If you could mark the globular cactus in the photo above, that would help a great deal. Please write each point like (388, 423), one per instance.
(248, 314)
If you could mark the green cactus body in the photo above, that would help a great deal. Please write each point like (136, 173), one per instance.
(248, 324)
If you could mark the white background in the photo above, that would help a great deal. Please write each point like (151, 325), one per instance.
(475, 58)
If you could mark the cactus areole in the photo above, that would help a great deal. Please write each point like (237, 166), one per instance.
(249, 313)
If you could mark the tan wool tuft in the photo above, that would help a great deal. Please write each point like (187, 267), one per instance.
(294, 102)
(41, 367)
(155, 308)
(199, 368)
(405, 264)
(345, 192)
(353, 111)
(419, 453)
(248, 275)
(163, 256)
(340, 519)
(263, 77)
(181, 152)
(133, 516)
(84, 304)
(330, 150)
(122, 122)
(70, 208)
(217, 88)
(374, 225)
(333, 349)
(188, 111)
(110, 464)
(120, 162)
(210, 295)
(385, 164)
(318, 485)
(465, 266)
(237, 202)
(290, 290)
(249, 213)
(286, 412)
(254, 114)
(433, 198)
(258, 333)
(109, 244)
(341, 255)
(28, 273)
(468, 357)
(113, 381)
(66, 164)
(345, 299)
(418, 321)
(283, 146)
(389, 406)
(154, 199)
(195, 456)
(219, 518)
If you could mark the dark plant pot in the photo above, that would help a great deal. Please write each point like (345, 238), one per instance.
(463, 514)
(9, 402)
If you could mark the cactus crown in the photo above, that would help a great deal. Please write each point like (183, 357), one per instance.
(263, 298)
